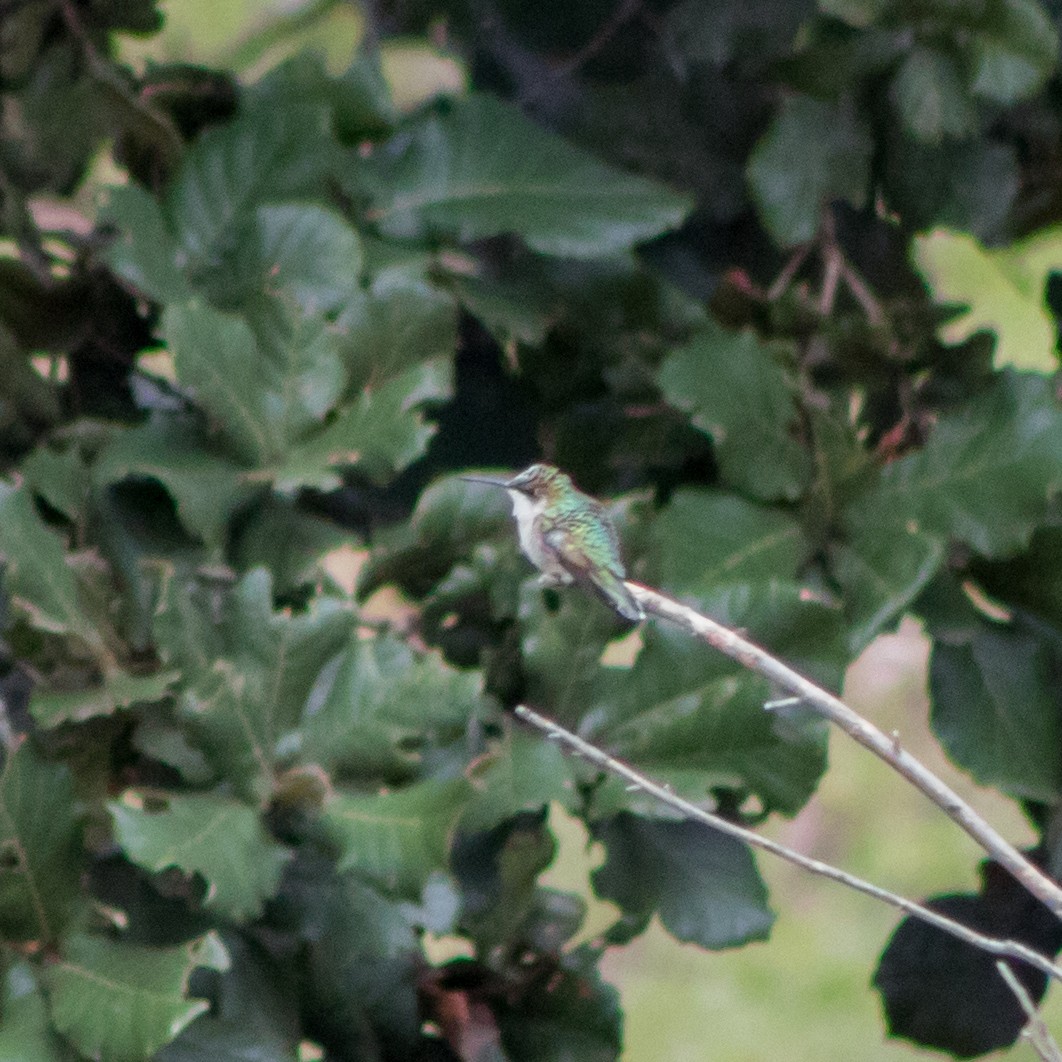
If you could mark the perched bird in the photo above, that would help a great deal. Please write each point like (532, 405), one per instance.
(567, 535)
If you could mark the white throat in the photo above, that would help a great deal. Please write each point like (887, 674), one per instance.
(525, 510)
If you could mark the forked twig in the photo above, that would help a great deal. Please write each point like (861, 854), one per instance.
(1009, 948)
(1035, 1032)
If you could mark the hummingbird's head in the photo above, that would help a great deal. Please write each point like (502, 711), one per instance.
(539, 481)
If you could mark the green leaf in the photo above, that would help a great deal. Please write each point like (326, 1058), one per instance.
(381, 432)
(1032, 579)
(497, 872)
(882, 570)
(289, 541)
(249, 674)
(970, 184)
(40, 845)
(736, 391)
(481, 169)
(396, 839)
(118, 690)
(252, 1015)
(60, 478)
(267, 155)
(396, 325)
(703, 884)
(1014, 51)
(386, 706)
(812, 152)
(263, 401)
(121, 1002)
(145, 253)
(704, 540)
(522, 773)
(929, 93)
(572, 1014)
(997, 710)
(216, 355)
(161, 740)
(561, 650)
(1000, 289)
(308, 254)
(359, 98)
(362, 960)
(37, 577)
(214, 836)
(450, 519)
(206, 488)
(698, 721)
(26, 1034)
(984, 475)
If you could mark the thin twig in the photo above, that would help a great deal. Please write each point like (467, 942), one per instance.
(1036, 1032)
(166, 135)
(781, 283)
(1011, 948)
(863, 295)
(859, 729)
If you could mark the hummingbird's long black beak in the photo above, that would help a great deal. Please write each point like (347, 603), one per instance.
(494, 481)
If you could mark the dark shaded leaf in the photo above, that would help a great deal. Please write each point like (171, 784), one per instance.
(930, 95)
(997, 710)
(943, 993)
(573, 1014)
(812, 153)
(984, 475)
(703, 884)
(1014, 51)
(252, 1015)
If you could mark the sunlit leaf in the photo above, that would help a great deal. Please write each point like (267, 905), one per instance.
(1001, 290)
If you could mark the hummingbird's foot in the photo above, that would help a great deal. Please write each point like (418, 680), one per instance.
(551, 580)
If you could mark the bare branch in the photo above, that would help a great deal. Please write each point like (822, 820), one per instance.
(1010, 948)
(859, 729)
(1036, 1032)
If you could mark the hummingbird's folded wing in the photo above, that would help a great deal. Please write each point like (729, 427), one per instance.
(605, 576)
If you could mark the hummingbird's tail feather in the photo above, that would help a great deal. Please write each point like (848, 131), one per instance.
(613, 591)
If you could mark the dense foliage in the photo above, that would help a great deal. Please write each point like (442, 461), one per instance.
(704, 255)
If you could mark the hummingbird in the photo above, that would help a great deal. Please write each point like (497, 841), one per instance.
(567, 535)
